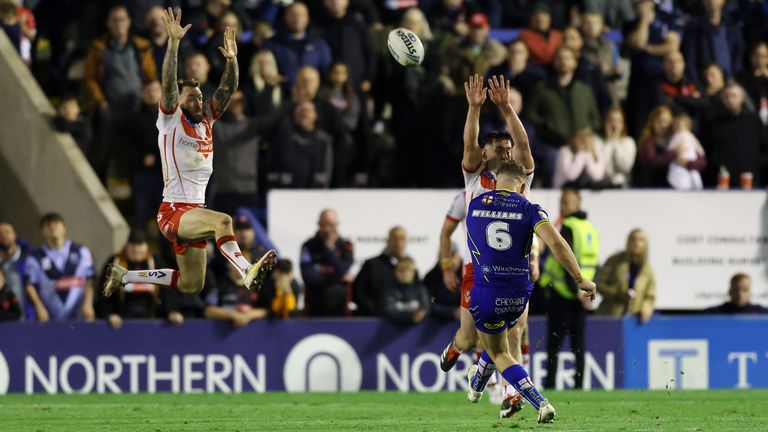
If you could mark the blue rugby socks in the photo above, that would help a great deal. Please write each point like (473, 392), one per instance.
(518, 377)
(485, 370)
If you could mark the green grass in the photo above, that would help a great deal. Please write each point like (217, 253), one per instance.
(729, 410)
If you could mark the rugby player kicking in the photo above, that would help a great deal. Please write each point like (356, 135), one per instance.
(186, 146)
(500, 227)
(478, 166)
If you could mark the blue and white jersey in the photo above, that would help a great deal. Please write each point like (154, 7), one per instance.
(500, 228)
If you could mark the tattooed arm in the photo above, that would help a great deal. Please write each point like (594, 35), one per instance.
(230, 77)
(170, 94)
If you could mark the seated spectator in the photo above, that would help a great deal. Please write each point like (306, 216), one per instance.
(713, 38)
(134, 300)
(297, 46)
(579, 164)
(755, 79)
(262, 87)
(281, 291)
(350, 41)
(302, 154)
(129, 61)
(325, 262)
(60, 275)
(522, 74)
(649, 39)
(449, 16)
(689, 149)
(735, 139)
(307, 88)
(445, 301)
(378, 274)
(588, 71)
(10, 305)
(540, 38)
(714, 83)
(197, 67)
(69, 119)
(618, 149)
(407, 301)
(741, 294)
(653, 156)
(13, 258)
(626, 281)
(598, 48)
(675, 89)
(341, 95)
(476, 53)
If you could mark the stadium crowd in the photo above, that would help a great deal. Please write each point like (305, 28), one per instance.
(613, 94)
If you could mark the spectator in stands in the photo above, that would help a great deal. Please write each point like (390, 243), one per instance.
(713, 38)
(653, 154)
(13, 258)
(378, 274)
(476, 53)
(238, 139)
(586, 70)
(618, 149)
(158, 37)
(580, 163)
(689, 149)
(560, 105)
(741, 294)
(204, 21)
(132, 301)
(540, 38)
(626, 281)
(229, 20)
(735, 139)
(10, 305)
(281, 291)
(445, 301)
(143, 155)
(649, 39)
(302, 154)
(69, 119)
(449, 16)
(263, 86)
(601, 51)
(59, 275)
(675, 90)
(307, 88)
(116, 66)
(713, 84)
(19, 29)
(198, 68)
(615, 13)
(522, 74)
(407, 301)
(296, 46)
(755, 79)
(350, 42)
(325, 262)
(341, 95)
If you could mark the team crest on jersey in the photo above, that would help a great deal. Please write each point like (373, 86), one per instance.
(494, 326)
(487, 200)
(486, 269)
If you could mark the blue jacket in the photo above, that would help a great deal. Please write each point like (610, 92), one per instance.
(293, 54)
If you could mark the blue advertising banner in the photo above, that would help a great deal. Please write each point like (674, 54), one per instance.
(300, 355)
(696, 353)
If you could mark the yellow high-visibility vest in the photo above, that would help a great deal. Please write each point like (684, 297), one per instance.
(586, 248)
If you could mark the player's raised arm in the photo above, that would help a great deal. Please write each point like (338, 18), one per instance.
(476, 93)
(564, 255)
(230, 77)
(498, 88)
(170, 88)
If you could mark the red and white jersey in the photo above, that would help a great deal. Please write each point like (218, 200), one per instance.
(479, 181)
(458, 213)
(186, 149)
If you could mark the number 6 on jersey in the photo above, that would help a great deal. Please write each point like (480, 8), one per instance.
(497, 235)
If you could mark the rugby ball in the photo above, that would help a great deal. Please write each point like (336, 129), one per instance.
(405, 47)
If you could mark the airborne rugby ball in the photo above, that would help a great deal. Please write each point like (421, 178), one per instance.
(405, 47)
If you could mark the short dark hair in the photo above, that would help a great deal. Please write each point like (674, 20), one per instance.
(137, 236)
(117, 6)
(284, 265)
(188, 82)
(496, 135)
(512, 170)
(569, 188)
(738, 277)
(50, 218)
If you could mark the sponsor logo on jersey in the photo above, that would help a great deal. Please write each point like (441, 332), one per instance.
(494, 326)
(486, 269)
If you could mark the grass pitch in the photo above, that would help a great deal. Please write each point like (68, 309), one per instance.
(713, 410)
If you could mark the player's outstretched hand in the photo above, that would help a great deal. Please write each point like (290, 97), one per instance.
(229, 51)
(476, 92)
(589, 289)
(498, 88)
(173, 25)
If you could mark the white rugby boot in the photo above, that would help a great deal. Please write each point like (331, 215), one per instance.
(114, 279)
(256, 272)
(472, 395)
(546, 412)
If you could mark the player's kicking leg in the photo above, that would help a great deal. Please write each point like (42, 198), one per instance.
(195, 226)
(496, 355)
(512, 401)
(464, 340)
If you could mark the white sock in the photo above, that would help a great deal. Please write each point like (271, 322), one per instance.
(165, 277)
(509, 389)
(485, 368)
(231, 251)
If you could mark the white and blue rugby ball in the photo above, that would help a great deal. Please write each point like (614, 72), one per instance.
(405, 47)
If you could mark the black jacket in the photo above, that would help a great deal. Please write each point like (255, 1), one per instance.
(371, 284)
(322, 270)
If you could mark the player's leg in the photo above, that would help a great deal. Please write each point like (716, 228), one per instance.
(512, 401)
(497, 349)
(188, 279)
(192, 264)
(466, 336)
(202, 224)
